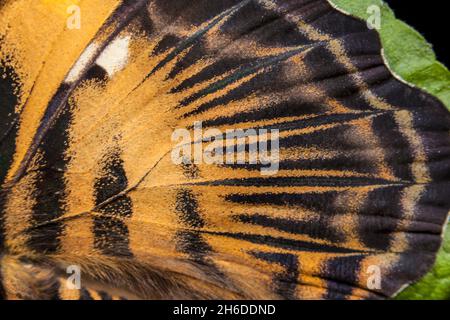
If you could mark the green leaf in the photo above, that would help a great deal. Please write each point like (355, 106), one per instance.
(411, 58)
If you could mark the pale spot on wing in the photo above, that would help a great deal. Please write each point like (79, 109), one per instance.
(115, 57)
(86, 57)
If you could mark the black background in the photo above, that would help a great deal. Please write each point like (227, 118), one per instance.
(431, 18)
(162, 310)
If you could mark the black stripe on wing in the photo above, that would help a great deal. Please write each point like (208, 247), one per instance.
(111, 235)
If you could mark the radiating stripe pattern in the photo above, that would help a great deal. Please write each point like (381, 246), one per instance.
(87, 177)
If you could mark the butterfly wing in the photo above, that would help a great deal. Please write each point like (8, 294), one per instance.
(355, 209)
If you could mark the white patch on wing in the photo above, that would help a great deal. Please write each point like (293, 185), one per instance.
(87, 55)
(115, 56)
